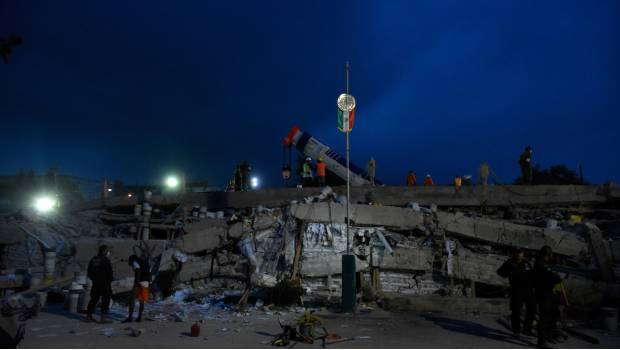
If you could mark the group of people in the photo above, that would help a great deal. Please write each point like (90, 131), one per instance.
(101, 274)
(412, 179)
(538, 289)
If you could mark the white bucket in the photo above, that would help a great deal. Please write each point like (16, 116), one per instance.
(201, 215)
(50, 265)
(203, 209)
(85, 297)
(552, 224)
(137, 210)
(74, 299)
(220, 214)
(211, 215)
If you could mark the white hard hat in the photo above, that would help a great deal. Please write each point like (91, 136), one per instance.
(428, 175)
(308, 158)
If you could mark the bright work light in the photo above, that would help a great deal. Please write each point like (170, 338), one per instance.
(44, 204)
(172, 182)
(254, 182)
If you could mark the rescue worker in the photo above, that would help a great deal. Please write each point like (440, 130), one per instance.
(238, 178)
(411, 178)
(458, 182)
(525, 162)
(320, 172)
(371, 168)
(544, 281)
(246, 169)
(519, 274)
(483, 172)
(142, 279)
(101, 275)
(306, 172)
(428, 180)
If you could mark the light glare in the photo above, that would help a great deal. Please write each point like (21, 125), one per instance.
(172, 182)
(44, 204)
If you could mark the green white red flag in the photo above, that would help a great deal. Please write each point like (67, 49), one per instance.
(345, 120)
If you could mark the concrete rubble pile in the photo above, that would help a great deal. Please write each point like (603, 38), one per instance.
(414, 248)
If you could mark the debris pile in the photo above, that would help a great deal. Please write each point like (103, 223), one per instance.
(415, 248)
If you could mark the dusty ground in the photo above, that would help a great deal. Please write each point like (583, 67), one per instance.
(55, 328)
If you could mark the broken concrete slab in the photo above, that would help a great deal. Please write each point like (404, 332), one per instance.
(478, 267)
(360, 214)
(600, 251)
(509, 234)
(200, 240)
(500, 195)
(404, 259)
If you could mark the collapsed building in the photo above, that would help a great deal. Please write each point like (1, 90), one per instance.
(418, 243)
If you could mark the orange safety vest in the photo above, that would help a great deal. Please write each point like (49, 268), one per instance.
(411, 180)
(428, 181)
(320, 169)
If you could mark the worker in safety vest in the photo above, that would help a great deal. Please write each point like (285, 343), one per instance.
(411, 178)
(428, 181)
(320, 172)
(458, 182)
(306, 172)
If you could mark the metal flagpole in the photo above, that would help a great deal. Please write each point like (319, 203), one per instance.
(348, 171)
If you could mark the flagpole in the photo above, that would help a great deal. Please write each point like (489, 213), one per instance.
(348, 171)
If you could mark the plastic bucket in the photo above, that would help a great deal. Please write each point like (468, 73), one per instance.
(610, 318)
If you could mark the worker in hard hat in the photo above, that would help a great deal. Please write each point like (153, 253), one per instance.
(428, 180)
(411, 178)
(320, 171)
(306, 172)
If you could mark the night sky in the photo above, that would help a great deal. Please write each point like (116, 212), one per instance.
(132, 90)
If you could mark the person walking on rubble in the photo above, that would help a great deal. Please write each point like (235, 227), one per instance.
(320, 172)
(525, 163)
(371, 169)
(544, 281)
(518, 271)
(306, 172)
(428, 180)
(411, 178)
(101, 275)
(246, 169)
(142, 279)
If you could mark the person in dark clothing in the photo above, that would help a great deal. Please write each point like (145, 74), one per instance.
(142, 279)
(100, 273)
(246, 169)
(518, 272)
(525, 163)
(238, 178)
(544, 282)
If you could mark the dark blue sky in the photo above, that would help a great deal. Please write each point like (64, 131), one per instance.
(134, 89)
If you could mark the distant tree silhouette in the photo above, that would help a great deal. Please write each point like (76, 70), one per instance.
(554, 175)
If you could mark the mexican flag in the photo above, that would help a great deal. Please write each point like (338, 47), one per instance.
(345, 120)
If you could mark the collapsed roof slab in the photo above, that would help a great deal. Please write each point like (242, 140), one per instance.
(360, 214)
(497, 195)
(509, 234)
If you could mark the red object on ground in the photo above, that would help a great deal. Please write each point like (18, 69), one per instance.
(195, 331)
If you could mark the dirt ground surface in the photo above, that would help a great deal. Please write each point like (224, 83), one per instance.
(55, 328)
